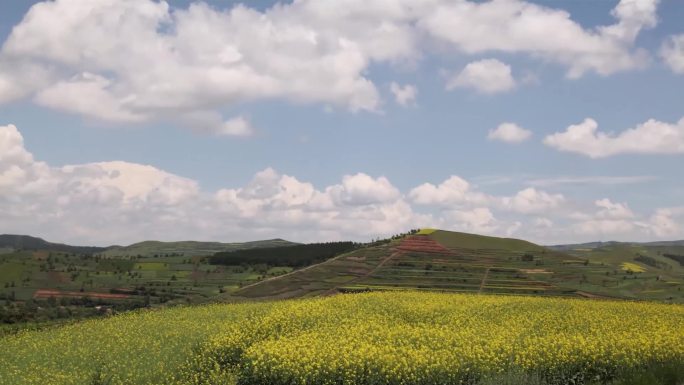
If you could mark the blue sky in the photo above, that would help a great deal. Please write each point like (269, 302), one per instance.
(224, 122)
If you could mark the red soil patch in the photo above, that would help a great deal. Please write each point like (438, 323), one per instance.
(423, 244)
(44, 293)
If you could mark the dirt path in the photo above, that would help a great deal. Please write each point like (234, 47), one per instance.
(484, 280)
(368, 274)
(379, 265)
(293, 272)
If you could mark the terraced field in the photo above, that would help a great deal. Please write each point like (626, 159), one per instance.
(457, 262)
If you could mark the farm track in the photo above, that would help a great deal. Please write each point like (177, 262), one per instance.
(484, 280)
(294, 272)
(368, 274)
(44, 293)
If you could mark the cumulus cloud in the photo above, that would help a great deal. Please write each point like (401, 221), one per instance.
(650, 137)
(602, 228)
(664, 223)
(456, 192)
(488, 76)
(122, 202)
(452, 192)
(531, 200)
(362, 189)
(510, 133)
(213, 123)
(132, 61)
(119, 202)
(547, 33)
(610, 210)
(479, 220)
(609, 220)
(404, 95)
(672, 52)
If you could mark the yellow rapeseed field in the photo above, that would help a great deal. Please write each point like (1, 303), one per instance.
(374, 338)
(633, 267)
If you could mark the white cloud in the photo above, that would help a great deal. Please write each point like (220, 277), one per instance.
(404, 95)
(236, 127)
(531, 200)
(213, 123)
(509, 132)
(599, 229)
(132, 181)
(134, 61)
(650, 137)
(610, 221)
(122, 202)
(90, 95)
(456, 192)
(488, 76)
(672, 52)
(479, 220)
(663, 224)
(610, 210)
(452, 192)
(541, 222)
(362, 189)
(522, 27)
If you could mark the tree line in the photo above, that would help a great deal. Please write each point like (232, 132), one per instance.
(293, 256)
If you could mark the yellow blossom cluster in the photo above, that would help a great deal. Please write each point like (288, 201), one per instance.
(373, 338)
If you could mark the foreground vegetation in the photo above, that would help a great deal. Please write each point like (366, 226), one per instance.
(375, 338)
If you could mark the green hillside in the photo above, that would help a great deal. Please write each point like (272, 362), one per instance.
(10, 242)
(460, 262)
(164, 273)
(456, 240)
(187, 248)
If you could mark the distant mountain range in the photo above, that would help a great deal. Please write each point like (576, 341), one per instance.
(428, 259)
(146, 248)
(26, 242)
(597, 245)
(150, 248)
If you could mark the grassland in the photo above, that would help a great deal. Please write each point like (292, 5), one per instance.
(375, 338)
(458, 262)
(186, 248)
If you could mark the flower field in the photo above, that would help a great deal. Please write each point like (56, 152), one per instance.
(374, 338)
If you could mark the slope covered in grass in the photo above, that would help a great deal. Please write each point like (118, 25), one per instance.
(456, 240)
(188, 248)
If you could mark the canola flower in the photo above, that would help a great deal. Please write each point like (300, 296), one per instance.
(374, 338)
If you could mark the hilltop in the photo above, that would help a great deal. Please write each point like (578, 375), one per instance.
(188, 248)
(34, 272)
(437, 260)
(27, 242)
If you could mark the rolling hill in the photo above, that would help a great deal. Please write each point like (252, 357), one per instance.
(427, 260)
(188, 248)
(26, 242)
(459, 262)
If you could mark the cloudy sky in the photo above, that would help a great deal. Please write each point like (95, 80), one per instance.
(554, 121)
